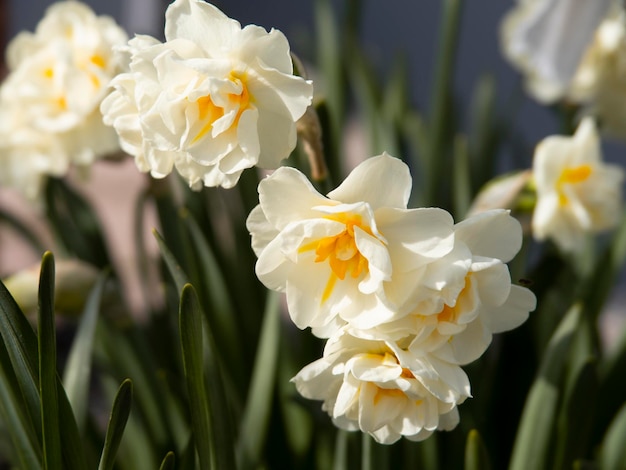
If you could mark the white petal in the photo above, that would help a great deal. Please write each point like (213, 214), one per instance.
(287, 195)
(514, 312)
(492, 234)
(381, 181)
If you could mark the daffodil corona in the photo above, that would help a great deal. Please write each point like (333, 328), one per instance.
(211, 101)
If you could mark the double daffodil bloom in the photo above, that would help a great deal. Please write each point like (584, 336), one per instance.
(577, 193)
(377, 388)
(358, 255)
(478, 298)
(49, 103)
(546, 39)
(211, 101)
(599, 82)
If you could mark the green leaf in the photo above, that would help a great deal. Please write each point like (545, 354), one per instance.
(441, 98)
(485, 131)
(221, 313)
(613, 450)
(23, 230)
(330, 63)
(576, 417)
(255, 422)
(174, 268)
(48, 366)
(21, 346)
(117, 422)
(75, 223)
(14, 414)
(78, 367)
(191, 341)
(169, 462)
(476, 456)
(462, 184)
(532, 443)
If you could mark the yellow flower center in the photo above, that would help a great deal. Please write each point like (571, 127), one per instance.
(574, 175)
(209, 112)
(340, 250)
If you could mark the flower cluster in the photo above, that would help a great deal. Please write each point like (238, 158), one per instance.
(49, 103)
(211, 101)
(404, 296)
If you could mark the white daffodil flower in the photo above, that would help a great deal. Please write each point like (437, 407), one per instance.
(211, 101)
(377, 388)
(58, 76)
(546, 39)
(577, 193)
(358, 255)
(599, 82)
(478, 297)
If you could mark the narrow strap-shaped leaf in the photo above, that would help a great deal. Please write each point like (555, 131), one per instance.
(21, 344)
(14, 414)
(576, 416)
(169, 462)
(117, 422)
(613, 450)
(221, 312)
(75, 223)
(187, 459)
(462, 186)
(173, 266)
(441, 97)
(78, 366)
(24, 232)
(476, 456)
(612, 387)
(48, 367)
(531, 448)
(191, 340)
(485, 131)
(256, 415)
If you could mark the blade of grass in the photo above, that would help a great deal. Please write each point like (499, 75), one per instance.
(117, 422)
(48, 366)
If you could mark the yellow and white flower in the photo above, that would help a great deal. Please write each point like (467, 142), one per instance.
(577, 193)
(479, 299)
(375, 387)
(58, 76)
(546, 39)
(600, 81)
(358, 255)
(211, 101)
